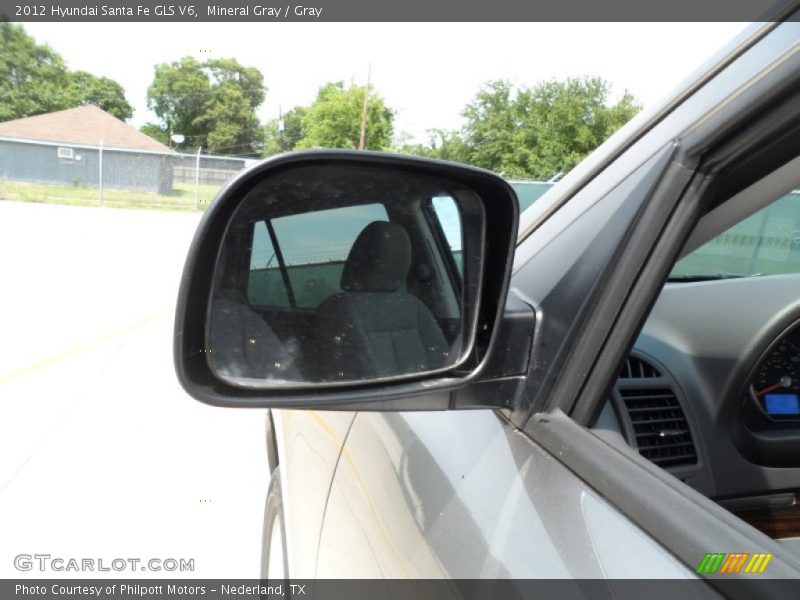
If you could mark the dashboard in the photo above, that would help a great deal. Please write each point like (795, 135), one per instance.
(711, 390)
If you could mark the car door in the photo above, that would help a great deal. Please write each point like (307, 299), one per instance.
(530, 491)
(467, 495)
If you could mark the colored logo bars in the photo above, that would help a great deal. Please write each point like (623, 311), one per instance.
(735, 562)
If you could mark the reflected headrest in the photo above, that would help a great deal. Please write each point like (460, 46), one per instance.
(379, 260)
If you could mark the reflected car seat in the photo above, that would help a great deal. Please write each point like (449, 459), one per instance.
(373, 328)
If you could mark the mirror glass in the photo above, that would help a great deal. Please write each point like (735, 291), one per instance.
(341, 274)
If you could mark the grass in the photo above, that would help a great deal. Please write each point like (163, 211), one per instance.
(180, 198)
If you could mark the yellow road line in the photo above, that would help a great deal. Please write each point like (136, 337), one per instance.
(83, 347)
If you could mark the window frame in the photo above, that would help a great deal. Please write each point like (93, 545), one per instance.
(292, 303)
(727, 125)
(442, 245)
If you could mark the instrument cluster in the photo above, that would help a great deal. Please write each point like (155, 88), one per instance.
(775, 387)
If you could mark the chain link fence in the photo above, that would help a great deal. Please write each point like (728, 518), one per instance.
(37, 171)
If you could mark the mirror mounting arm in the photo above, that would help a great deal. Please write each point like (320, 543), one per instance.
(502, 378)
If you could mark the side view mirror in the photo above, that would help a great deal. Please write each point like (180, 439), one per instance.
(341, 279)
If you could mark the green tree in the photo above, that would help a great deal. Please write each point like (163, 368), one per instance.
(212, 104)
(155, 131)
(33, 77)
(334, 119)
(441, 144)
(178, 96)
(106, 93)
(541, 131)
(276, 141)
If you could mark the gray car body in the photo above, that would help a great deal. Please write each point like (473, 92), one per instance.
(459, 495)
(469, 493)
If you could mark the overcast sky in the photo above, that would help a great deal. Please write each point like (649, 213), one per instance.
(426, 71)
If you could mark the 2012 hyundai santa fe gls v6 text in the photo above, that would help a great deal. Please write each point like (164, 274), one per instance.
(457, 391)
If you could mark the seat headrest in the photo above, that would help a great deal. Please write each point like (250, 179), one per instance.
(379, 260)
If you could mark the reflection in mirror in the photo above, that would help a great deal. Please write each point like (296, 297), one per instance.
(340, 274)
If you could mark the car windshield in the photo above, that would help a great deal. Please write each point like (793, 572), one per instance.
(765, 243)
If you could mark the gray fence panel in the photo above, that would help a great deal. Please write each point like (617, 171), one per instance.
(173, 178)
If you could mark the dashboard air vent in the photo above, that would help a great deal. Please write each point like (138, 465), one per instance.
(659, 424)
(636, 368)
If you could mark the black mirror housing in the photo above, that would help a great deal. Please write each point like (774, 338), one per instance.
(489, 222)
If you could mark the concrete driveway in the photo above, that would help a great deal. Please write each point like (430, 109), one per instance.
(102, 455)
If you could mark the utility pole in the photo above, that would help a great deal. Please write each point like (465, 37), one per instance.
(363, 138)
(281, 127)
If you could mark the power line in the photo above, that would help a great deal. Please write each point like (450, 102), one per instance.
(201, 135)
(243, 145)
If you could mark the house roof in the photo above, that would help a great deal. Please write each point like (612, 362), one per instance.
(84, 125)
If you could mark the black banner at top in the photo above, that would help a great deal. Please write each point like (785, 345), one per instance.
(278, 11)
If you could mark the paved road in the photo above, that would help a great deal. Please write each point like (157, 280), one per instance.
(102, 455)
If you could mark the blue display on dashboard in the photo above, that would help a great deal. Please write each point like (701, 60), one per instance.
(782, 404)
